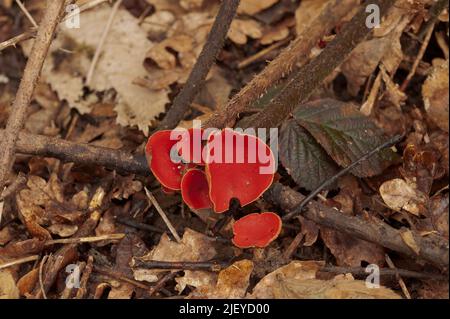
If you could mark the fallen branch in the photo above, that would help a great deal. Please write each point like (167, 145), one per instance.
(433, 249)
(296, 53)
(205, 61)
(28, 83)
(79, 153)
(213, 266)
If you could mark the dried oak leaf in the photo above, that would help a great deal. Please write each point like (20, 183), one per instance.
(304, 159)
(345, 134)
(435, 95)
(307, 12)
(398, 194)
(232, 283)
(267, 287)
(119, 64)
(194, 247)
(8, 287)
(350, 251)
(298, 281)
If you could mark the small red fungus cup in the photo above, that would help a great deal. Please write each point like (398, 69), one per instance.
(194, 190)
(256, 230)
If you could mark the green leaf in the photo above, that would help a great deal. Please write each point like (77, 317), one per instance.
(346, 134)
(304, 159)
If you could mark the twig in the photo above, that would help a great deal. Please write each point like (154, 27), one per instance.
(41, 281)
(19, 261)
(342, 172)
(100, 45)
(251, 59)
(435, 11)
(303, 83)
(140, 226)
(84, 239)
(161, 282)
(113, 274)
(383, 272)
(80, 153)
(27, 14)
(163, 215)
(296, 53)
(20, 180)
(397, 276)
(194, 84)
(214, 266)
(433, 249)
(419, 57)
(27, 85)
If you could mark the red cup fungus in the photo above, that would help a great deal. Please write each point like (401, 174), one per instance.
(256, 230)
(194, 190)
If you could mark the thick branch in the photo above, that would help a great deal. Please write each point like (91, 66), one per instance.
(432, 249)
(296, 53)
(30, 77)
(205, 61)
(84, 154)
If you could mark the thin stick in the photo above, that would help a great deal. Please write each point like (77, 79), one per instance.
(160, 283)
(383, 272)
(81, 240)
(113, 274)
(433, 249)
(99, 49)
(295, 54)
(27, 14)
(41, 281)
(419, 57)
(298, 210)
(397, 276)
(19, 261)
(163, 215)
(27, 86)
(251, 59)
(205, 61)
(214, 266)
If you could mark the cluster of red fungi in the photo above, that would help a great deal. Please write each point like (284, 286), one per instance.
(208, 183)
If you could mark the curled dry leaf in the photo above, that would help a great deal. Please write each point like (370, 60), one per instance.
(232, 282)
(408, 238)
(435, 95)
(194, 247)
(398, 194)
(252, 7)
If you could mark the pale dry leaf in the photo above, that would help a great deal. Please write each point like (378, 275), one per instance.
(8, 287)
(191, 4)
(119, 64)
(195, 278)
(194, 247)
(6, 235)
(398, 194)
(408, 239)
(252, 7)
(275, 34)
(63, 230)
(307, 11)
(295, 270)
(232, 282)
(436, 97)
(241, 30)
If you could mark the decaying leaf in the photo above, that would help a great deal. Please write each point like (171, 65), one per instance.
(193, 247)
(304, 159)
(398, 194)
(346, 134)
(435, 95)
(307, 11)
(241, 30)
(409, 240)
(232, 282)
(350, 251)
